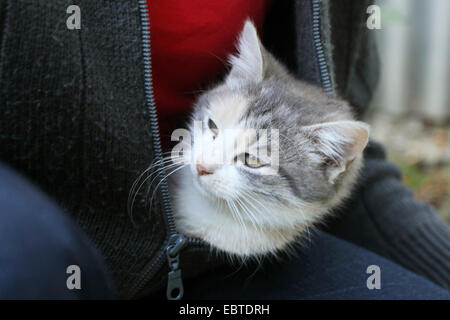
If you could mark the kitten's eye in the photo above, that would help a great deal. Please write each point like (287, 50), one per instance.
(213, 127)
(253, 162)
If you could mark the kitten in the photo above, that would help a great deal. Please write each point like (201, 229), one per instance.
(241, 203)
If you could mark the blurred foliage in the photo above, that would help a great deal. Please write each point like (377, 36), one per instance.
(392, 15)
(421, 148)
(429, 184)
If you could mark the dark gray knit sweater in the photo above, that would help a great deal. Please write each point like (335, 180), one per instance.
(74, 118)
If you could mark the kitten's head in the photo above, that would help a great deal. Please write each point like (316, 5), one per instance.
(289, 175)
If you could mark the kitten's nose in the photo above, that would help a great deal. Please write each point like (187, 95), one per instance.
(201, 170)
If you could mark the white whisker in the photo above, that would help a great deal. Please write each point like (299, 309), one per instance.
(163, 179)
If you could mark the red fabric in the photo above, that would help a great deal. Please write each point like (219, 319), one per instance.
(190, 42)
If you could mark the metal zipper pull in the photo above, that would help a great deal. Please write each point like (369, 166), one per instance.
(175, 288)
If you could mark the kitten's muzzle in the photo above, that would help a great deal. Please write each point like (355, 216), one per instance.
(201, 170)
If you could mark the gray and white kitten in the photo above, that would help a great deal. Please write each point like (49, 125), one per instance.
(241, 204)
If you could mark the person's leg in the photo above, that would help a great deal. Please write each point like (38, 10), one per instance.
(37, 245)
(327, 268)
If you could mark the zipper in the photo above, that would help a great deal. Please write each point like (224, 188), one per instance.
(175, 288)
(325, 77)
(176, 241)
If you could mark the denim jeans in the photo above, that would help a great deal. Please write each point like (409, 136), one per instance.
(38, 246)
(323, 267)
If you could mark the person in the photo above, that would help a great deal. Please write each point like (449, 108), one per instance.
(78, 120)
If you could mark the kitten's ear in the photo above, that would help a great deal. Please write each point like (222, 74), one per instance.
(247, 66)
(340, 142)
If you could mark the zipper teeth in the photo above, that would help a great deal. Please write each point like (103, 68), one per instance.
(317, 38)
(151, 105)
(196, 242)
(150, 101)
(156, 141)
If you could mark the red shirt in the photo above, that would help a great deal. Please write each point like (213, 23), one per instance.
(191, 41)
